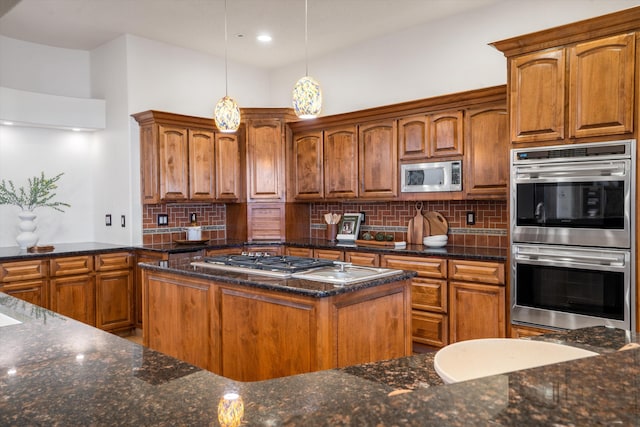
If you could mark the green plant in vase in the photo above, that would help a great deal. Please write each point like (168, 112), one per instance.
(39, 193)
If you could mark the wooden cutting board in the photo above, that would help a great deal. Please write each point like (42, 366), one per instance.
(437, 223)
(418, 227)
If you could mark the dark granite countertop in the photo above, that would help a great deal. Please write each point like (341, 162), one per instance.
(295, 286)
(56, 371)
(14, 253)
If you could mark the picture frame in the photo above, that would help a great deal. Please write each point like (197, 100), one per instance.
(349, 227)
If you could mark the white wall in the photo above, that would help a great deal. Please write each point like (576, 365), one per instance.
(112, 174)
(451, 55)
(26, 152)
(45, 69)
(168, 78)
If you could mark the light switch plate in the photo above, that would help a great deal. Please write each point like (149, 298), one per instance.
(163, 220)
(107, 220)
(471, 218)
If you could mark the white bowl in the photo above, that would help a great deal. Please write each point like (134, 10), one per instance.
(435, 241)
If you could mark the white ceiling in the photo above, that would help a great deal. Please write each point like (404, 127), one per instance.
(199, 24)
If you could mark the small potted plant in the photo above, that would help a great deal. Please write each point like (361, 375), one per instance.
(39, 193)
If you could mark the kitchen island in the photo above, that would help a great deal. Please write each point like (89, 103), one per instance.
(249, 326)
(56, 371)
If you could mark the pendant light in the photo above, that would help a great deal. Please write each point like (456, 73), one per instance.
(226, 113)
(307, 95)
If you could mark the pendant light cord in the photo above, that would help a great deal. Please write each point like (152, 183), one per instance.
(306, 39)
(226, 71)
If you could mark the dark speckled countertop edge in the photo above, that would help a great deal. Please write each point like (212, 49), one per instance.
(14, 253)
(310, 288)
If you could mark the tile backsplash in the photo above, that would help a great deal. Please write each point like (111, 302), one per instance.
(490, 228)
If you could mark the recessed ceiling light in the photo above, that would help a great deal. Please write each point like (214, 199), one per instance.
(264, 38)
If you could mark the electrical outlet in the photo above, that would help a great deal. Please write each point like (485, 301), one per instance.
(163, 220)
(193, 217)
(363, 216)
(122, 221)
(471, 218)
(107, 220)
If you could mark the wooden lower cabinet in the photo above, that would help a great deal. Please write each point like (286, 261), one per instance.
(75, 297)
(250, 334)
(301, 252)
(26, 280)
(362, 258)
(328, 254)
(149, 257)
(33, 291)
(178, 314)
(476, 311)
(520, 331)
(114, 300)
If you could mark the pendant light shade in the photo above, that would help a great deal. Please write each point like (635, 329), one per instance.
(307, 95)
(227, 115)
(227, 112)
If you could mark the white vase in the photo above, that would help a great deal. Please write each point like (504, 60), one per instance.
(27, 237)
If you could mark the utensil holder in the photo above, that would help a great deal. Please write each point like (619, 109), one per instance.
(332, 232)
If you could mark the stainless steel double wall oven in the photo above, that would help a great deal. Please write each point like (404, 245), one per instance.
(572, 235)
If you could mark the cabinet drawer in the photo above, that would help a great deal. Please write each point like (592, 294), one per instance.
(328, 254)
(360, 258)
(477, 271)
(22, 270)
(33, 291)
(429, 328)
(303, 252)
(425, 267)
(114, 261)
(429, 294)
(71, 265)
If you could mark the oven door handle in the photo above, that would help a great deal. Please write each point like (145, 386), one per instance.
(572, 171)
(555, 257)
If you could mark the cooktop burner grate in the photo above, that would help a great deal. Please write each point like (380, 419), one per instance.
(277, 262)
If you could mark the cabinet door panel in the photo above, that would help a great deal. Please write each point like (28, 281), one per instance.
(537, 80)
(308, 173)
(378, 160)
(150, 165)
(229, 173)
(445, 134)
(413, 137)
(341, 163)
(601, 93)
(429, 328)
(114, 300)
(33, 291)
(174, 165)
(486, 165)
(476, 311)
(75, 297)
(201, 165)
(265, 156)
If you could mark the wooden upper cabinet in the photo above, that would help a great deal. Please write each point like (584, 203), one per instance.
(265, 157)
(601, 90)
(308, 169)
(412, 137)
(201, 165)
(445, 134)
(174, 165)
(228, 167)
(378, 160)
(486, 162)
(537, 84)
(341, 163)
(183, 159)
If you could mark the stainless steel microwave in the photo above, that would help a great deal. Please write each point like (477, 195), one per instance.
(431, 177)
